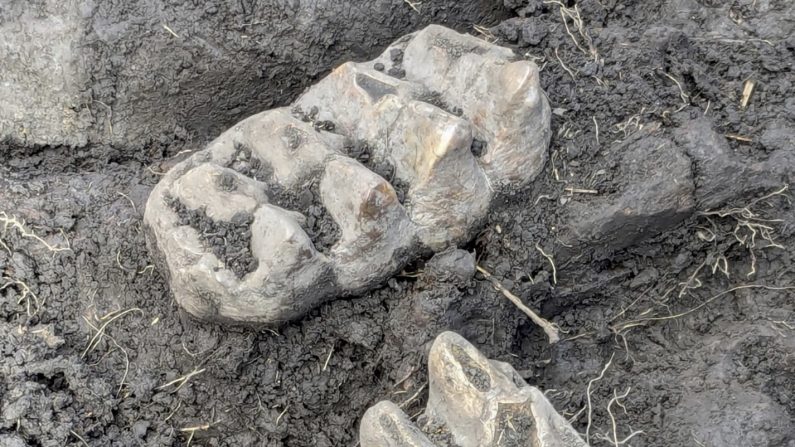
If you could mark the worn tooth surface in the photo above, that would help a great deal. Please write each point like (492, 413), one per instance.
(347, 96)
(385, 425)
(290, 149)
(449, 193)
(472, 402)
(408, 127)
(221, 192)
(500, 95)
(290, 273)
(429, 147)
(376, 231)
(292, 276)
(487, 403)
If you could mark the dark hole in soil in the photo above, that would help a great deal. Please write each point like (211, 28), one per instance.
(362, 152)
(229, 241)
(55, 382)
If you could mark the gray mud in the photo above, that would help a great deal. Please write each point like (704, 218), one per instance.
(132, 73)
(700, 365)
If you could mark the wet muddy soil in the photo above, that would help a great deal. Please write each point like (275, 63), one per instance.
(681, 333)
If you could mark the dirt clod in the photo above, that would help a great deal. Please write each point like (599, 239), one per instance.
(229, 240)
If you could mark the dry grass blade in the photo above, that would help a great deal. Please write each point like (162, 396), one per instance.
(182, 381)
(748, 90)
(281, 415)
(192, 431)
(80, 438)
(485, 33)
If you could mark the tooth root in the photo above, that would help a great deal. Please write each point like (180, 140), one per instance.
(374, 224)
(385, 425)
(486, 403)
(470, 72)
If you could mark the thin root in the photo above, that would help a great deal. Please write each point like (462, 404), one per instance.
(181, 381)
(614, 435)
(100, 332)
(33, 304)
(192, 431)
(551, 262)
(588, 397)
(642, 321)
(13, 222)
(415, 5)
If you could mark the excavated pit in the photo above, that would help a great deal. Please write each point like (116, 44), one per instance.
(719, 375)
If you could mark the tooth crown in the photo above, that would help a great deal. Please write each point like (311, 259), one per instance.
(472, 402)
(289, 178)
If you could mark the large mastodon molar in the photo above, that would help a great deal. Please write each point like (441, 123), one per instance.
(472, 402)
(375, 165)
